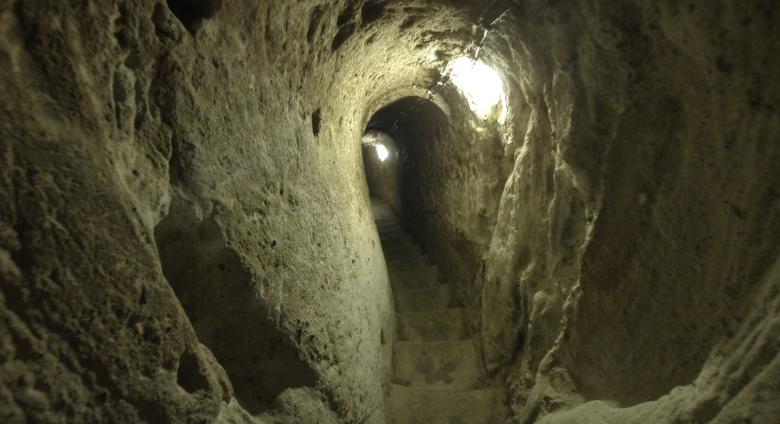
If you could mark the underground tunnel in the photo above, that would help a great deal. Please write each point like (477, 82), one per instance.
(374, 211)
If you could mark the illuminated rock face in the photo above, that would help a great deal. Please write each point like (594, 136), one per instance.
(184, 210)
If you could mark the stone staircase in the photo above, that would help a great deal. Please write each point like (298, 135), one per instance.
(437, 376)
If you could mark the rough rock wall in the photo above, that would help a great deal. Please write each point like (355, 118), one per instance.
(121, 121)
(630, 259)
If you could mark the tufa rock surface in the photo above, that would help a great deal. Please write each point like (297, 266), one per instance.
(186, 232)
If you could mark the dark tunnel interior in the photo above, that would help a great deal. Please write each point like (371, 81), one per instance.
(413, 125)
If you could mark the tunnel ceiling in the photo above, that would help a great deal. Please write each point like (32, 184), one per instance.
(405, 118)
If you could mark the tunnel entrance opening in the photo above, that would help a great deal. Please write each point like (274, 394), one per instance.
(436, 372)
(382, 168)
(393, 145)
(447, 179)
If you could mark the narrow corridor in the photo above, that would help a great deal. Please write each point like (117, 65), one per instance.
(437, 374)
(580, 224)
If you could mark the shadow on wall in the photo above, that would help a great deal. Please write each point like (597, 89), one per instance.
(192, 13)
(217, 294)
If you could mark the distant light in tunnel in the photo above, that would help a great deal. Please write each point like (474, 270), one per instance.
(381, 152)
(480, 83)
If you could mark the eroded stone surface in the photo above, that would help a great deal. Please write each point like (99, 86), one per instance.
(614, 239)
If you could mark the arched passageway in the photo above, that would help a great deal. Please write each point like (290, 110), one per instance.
(436, 373)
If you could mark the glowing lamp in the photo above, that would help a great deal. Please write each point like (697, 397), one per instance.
(478, 82)
(381, 152)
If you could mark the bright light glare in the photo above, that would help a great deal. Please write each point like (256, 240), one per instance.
(478, 82)
(381, 152)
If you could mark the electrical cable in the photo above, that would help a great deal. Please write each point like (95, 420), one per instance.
(487, 20)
